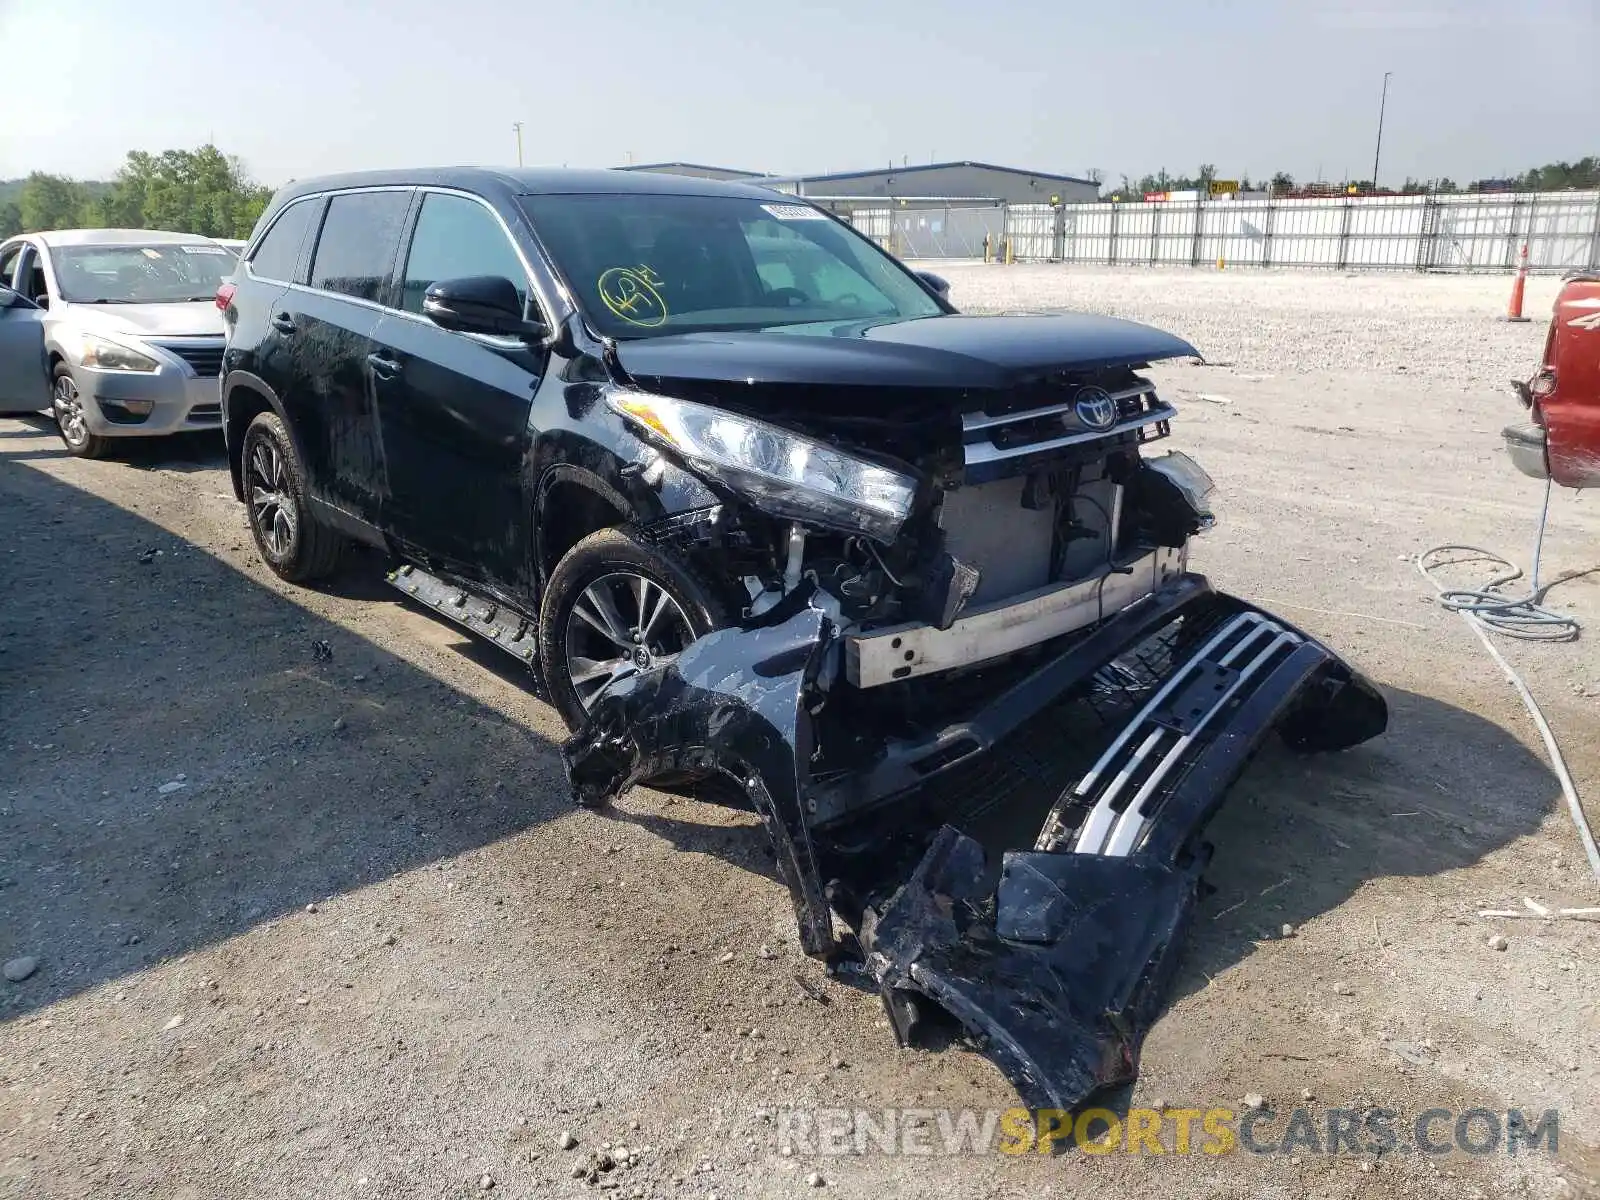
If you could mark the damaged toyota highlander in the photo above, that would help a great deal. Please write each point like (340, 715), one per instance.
(767, 516)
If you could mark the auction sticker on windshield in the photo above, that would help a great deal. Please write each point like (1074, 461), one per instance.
(630, 293)
(795, 212)
(203, 250)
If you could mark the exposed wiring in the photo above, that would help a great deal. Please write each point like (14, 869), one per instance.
(873, 550)
(1488, 610)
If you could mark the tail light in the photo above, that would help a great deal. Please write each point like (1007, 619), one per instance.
(1543, 385)
(224, 296)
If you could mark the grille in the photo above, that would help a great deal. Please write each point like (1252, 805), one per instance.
(993, 440)
(204, 358)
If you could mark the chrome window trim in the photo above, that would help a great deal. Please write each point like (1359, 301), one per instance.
(535, 288)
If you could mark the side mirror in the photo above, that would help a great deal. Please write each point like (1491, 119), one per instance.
(938, 283)
(480, 304)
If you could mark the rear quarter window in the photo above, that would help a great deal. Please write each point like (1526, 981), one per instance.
(356, 249)
(279, 252)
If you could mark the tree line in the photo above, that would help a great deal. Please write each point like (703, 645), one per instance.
(1552, 177)
(200, 191)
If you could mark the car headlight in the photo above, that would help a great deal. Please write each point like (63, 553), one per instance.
(105, 355)
(1191, 481)
(786, 474)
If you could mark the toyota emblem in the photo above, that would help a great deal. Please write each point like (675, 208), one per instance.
(1095, 408)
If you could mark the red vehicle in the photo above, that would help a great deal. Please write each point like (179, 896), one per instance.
(1563, 440)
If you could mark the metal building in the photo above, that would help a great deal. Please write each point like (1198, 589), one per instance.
(925, 181)
(695, 170)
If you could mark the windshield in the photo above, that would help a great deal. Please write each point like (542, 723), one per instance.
(644, 265)
(164, 274)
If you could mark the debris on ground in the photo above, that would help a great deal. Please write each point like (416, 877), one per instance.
(18, 969)
(1498, 941)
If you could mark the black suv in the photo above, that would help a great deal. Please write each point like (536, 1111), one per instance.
(759, 505)
(613, 411)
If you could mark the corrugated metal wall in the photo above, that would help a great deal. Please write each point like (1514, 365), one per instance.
(1357, 233)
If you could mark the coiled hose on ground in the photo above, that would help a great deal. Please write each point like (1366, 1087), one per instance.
(1488, 610)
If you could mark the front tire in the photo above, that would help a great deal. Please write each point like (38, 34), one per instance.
(289, 539)
(615, 606)
(66, 405)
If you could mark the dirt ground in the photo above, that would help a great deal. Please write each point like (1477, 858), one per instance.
(318, 926)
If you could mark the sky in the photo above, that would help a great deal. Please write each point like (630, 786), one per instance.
(303, 87)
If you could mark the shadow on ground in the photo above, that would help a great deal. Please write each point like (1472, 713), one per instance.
(181, 765)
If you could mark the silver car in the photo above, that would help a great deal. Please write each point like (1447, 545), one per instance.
(116, 331)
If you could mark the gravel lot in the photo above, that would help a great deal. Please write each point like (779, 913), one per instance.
(316, 928)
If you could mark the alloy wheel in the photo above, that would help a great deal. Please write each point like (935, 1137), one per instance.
(272, 509)
(622, 624)
(69, 416)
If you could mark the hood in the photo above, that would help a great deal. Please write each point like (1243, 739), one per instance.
(198, 318)
(948, 351)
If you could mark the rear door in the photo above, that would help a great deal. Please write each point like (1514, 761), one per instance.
(453, 407)
(326, 328)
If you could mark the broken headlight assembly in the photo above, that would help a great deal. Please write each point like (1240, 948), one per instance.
(785, 474)
(1191, 482)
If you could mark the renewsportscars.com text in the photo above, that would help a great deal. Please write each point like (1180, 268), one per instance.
(1206, 1131)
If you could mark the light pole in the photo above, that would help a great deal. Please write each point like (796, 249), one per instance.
(517, 125)
(1378, 149)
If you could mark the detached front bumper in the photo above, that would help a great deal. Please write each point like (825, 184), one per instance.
(1029, 871)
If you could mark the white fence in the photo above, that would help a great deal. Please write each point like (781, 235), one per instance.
(1357, 233)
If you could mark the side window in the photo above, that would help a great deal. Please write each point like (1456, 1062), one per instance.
(279, 252)
(355, 250)
(8, 262)
(30, 276)
(456, 237)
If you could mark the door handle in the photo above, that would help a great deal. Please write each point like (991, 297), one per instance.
(383, 366)
(283, 323)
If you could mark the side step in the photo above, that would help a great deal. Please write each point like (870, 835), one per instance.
(505, 627)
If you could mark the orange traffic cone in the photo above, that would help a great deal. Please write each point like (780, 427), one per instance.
(1514, 309)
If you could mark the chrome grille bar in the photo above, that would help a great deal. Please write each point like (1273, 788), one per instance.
(1113, 830)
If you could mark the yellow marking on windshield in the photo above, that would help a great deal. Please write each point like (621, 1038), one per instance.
(630, 293)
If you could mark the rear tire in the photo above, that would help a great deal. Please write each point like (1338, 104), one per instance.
(66, 406)
(613, 574)
(289, 539)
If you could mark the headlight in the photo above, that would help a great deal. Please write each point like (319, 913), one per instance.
(105, 355)
(1187, 476)
(787, 475)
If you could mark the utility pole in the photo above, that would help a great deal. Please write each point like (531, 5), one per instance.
(1378, 149)
(517, 125)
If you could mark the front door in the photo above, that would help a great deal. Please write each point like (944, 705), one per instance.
(453, 407)
(24, 384)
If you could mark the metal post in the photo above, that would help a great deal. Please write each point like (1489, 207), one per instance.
(1155, 232)
(1344, 236)
(1594, 238)
(1111, 241)
(1266, 228)
(1199, 219)
(517, 125)
(1378, 149)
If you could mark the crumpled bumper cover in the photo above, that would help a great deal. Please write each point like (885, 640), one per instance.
(1057, 955)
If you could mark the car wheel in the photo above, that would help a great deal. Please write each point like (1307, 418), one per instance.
(615, 607)
(67, 408)
(290, 540)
